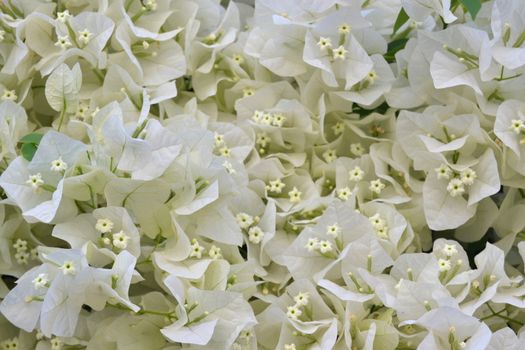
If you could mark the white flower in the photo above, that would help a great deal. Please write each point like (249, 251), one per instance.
(443, 172)
(338, 128)
(20, 244)
(455, 187)
(41, 281)
(255, 234)
(22, 257)
(85, 36)
(376, 186)
(237, 58)
(340, 53)
(468, 176)
(325, 247)
(357, 149)
(58, 165)
(10, 344)
(219, 139)
(295, 195)
(257, 116)
(312, 245)
(276, 186)
(151, 5)
(329, 155)
(120, 240)
(343, 28)
(104, 225)
(196, 249)
(377, 221)
(248, 92)
(302, 298)
(449, 250)
(35, 181)
(229, 167)
(290, 346)
(56, 344)
(517, 126)
(371, 78)
(215, 252)
(333, 230)
(444, 265)
(293, 312)
(266, 119)
(225, 151)
(324, 43)
(63, 16)
(344, 193)
(244, 220)
(68, 268)
(382, 232)
(63, 42)
(278, 119)
(262, 139)
(356, 174)
(9, 95)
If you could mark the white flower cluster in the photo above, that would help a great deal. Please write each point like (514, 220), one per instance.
(268, 174)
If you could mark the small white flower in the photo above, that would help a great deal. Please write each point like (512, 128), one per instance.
(41, 281)
(278, 119)
(120, 240)
(312, 245)
(357, 149)
(196, 249)
(63, 42)
(455, 187)
(293, 312)
(229, 167)
(10, 344)
(324, 43)
(22, 257)
(295, 195)
(382, 232)
(244, 220)
(255, 234)
(376, 186)
(338, 128)
(262, 139)
(9, 95)
(58, 165)
(344, 193)
(20, 245)
(449, 250)
(356, 174)
(329, 155)
(63, 16)
(333, 230)
(35, 181)
(219, 139)
(85, 36)
(104, 225)
(257, 116)
(443, 172)
(150, 5)
(248, 92)
(377, 221)
(237, 58)
(468, 176)
(517, 125)
(340, 53)
(343, 28)
(266, 119)
(225, 151)
(215, 252)
(301, 299)
(325, 246)
(290, 346)
(56, 344)
(68, 268)
(276, 186)
(371, 77)
(444, 265)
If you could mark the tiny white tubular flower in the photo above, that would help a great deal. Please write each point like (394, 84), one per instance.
(343, 28)
(35, 181)
(333, 230)
(449, 250)
(248, 92)
(104, 225)
(58, 165)
(455, 187)
(219, 139)
(295, 195)
(20, 245)
(68, 268)
(325, 247)
(278, 119)
(443, 172)
(56, 344)
(85, 36)
(338, 128)
(444, 265)
(237, 58)
(10, 344)
(290, 346)
(63, 16)
(215, 252)
(468, 176)
(312, 245)
(120, 240)
(196, 249)
(329, 155)
(371, 76)
(225, 151)
(106, 241)
(41, 281)
(344, 193)
(357, 149)
(244, 220)
(340, 53)
(324, 43)
(517, 125)
(22, 257)
(150, 5)
(382, 232)
(302, 299)
(262, 139)
(257, 116)
(293, 312)
(255, 234)
(376, 186)
(229, 167)
(377, 221)
(266, 119)
(9, 95)
(356, 174)
(63, 42)
(276, 186)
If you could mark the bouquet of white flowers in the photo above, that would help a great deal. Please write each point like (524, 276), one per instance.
(268, 174)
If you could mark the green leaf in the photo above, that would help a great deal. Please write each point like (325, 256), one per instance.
(28, 150)
(401, 19)
(31, 138)
(473, 6)
(394, 47)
